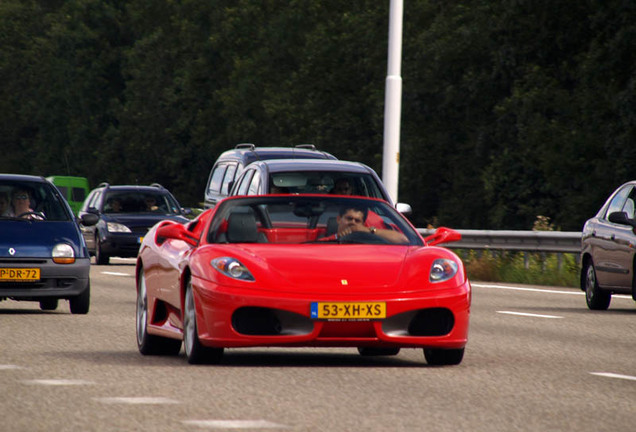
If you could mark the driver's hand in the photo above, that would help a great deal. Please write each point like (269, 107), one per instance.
(352, 228)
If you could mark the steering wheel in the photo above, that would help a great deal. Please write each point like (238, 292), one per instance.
(33, 215)
(363, 238)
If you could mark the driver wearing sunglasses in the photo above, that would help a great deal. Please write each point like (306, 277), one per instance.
(21, 204)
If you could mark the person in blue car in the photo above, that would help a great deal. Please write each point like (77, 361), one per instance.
(21, 205)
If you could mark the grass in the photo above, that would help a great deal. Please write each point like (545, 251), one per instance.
(548, 269)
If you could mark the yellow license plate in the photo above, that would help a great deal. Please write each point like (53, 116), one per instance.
(348, 310)
(19, 274)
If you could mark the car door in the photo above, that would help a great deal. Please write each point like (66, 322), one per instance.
(614, 244)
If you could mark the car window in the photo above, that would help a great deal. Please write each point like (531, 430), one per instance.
(333, 182)
(93, 200)
(255, 184)
(77, 194)
(630, 204)
(228, 179)
(299, 219)
(63, 190)
(617, 203)
(118, 201)
(42, 198)
(217, 178)
(245, 182)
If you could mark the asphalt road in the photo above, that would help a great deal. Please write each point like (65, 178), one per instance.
(537, 360)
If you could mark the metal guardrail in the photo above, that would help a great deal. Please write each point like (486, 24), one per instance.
(527, 241)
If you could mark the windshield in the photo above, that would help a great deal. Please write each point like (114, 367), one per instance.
(310, 219)
(322, 182)
(140, 202)
(20, 199)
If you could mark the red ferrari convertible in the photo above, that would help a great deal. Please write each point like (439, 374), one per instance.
(300, 270)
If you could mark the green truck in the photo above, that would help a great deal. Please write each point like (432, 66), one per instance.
(74, 189)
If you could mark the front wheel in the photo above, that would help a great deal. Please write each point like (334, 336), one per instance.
(100, 257)
(443, 357)
(195, 351)
(80, 304)
(596, 298)
(146, 343)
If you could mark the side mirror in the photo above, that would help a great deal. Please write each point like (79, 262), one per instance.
(442, 235)
(176, 231)
(404, 208)
(89, 219)
(621, 218)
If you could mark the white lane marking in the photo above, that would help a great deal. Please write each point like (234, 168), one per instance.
(235, 424)
(116, 273)
(575, 291)
(515, 288)
(528, 314)
(138, 400)
(9, 367)
(613, 375)
(59, 382)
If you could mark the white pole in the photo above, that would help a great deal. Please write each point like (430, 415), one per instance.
(393, 102)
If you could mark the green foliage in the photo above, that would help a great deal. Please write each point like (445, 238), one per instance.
(511, 109)
(523, 268)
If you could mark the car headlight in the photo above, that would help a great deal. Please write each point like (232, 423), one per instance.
(232, 267)
(442, 270)
(117, 227)
(63, 254)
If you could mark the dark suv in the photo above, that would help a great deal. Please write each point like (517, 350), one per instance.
(125, 213)
(231, 164)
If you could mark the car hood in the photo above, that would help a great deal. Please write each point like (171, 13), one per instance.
(35, 239)
(328, 269)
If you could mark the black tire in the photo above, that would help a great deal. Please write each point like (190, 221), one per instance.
(373, 351)
(100, 257)
(443, 357)
(195, 351)
(146, 343)
(80, 304)
(48, 304)
(596, 298)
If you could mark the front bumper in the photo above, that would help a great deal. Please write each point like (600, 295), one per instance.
(430, 319)
(60, 281)
(122, 245)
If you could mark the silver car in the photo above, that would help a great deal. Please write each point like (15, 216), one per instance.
(608, 248)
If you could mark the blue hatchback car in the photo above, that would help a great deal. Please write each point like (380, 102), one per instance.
(43, 257)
